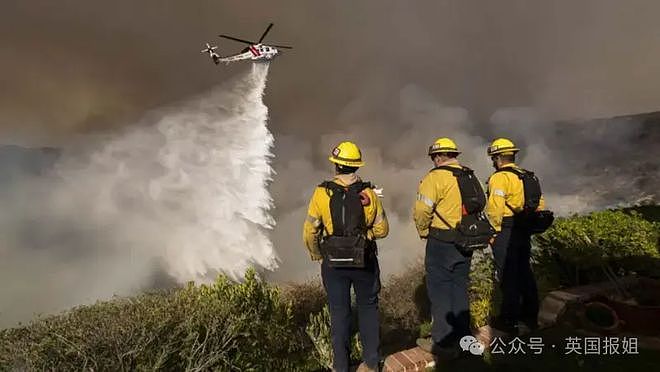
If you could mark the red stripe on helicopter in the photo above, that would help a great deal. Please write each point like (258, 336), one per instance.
(254, 51)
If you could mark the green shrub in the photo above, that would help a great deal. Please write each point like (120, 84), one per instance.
(223, 326)
(481, 289)
(599, 237)
(318, 330)
(255, 326)
(404, 306)
(649, 212)
(480, 292)
(581, 249)
(549, 271)
(305, 298)
(404, 303)
(425, 329)
(571, 244)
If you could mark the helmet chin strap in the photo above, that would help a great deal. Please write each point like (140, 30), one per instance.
(343, 169)
(494, 161)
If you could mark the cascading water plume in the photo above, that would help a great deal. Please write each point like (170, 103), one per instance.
(184, 192)
(189, 186)
(217, 160)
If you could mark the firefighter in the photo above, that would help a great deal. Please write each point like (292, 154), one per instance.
(512, 245)
(359, 214)
(437, 211)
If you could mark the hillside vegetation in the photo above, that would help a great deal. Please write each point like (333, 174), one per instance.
(256, 326)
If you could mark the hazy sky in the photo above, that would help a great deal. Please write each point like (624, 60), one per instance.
(77, 65)
(393, 75)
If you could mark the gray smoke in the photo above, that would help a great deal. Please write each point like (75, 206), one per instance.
(180, 196)
(389, 75)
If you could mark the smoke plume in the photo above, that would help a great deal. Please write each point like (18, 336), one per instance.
(389, 75)
(181, 194)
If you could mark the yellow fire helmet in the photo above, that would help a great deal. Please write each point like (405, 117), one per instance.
(502, 146)
(443, 144)
(348, 154)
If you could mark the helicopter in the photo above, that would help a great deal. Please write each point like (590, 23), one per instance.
(255, 51)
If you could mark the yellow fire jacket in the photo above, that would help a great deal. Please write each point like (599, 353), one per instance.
(505, 188)
(437, 191)
(319, 220)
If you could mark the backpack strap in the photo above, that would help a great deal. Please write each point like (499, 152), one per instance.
(518, 172)
(327, 186)
(360, 186)
(335, 187)
(456, 172)
(442, 219)
(331, 185)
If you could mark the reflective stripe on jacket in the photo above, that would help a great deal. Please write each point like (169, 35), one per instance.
(438, 191)
(505, 188)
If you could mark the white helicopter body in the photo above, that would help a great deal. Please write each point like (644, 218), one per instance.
(255, 51)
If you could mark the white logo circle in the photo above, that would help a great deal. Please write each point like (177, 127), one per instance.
(471, 344)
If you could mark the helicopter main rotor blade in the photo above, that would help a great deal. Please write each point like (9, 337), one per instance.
(265, 32)
(280, 46)
(237, 39)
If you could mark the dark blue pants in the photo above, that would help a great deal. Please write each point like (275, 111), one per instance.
(447, 272)
(366, 283)
(511, 251)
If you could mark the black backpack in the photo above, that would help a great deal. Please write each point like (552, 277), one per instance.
(474, 231)
(535, 222)
(347, 246)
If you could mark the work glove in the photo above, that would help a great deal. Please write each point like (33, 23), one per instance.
(316, 257)
(378, 191)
